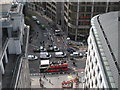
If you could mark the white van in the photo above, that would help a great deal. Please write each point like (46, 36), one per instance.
(44, 55)
(60, 54)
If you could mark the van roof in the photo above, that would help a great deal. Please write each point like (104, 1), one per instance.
(58, 53)
(44, 62)
(75, 53)
(43, 53)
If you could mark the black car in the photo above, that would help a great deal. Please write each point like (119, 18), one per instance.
(36, 50)
(70, 50)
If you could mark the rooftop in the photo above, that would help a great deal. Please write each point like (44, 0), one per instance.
(105, 27)
(5, 1)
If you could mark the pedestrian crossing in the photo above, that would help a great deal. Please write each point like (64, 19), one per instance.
(41, 74)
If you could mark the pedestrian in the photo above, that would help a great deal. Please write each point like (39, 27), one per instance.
(40, 79)
(44, 76)
(74, 64)
(49, 81)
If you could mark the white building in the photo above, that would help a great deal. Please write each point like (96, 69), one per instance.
(102, 69)
(13, 45)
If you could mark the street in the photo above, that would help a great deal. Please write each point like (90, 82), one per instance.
(49, 38)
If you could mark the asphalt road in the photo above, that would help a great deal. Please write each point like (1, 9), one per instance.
(40, 35)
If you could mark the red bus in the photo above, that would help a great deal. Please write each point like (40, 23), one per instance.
(47, 66)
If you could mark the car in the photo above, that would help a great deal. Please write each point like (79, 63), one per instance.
(38, 22)
(60, 54)
(81, 54)
(32, 57)
(36, 50)
(70, 50)
(34, 18)
(76, 54)
(52, 48)
(58, 32)
(44, 55)
(56, 49)
(42, 49)
(42, 27)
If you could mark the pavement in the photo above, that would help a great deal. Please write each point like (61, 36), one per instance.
(52, 81)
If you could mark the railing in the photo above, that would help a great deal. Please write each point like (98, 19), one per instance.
(15, 72)
(18, 64)
(3, 48)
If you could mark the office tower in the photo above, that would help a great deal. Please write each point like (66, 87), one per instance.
(102, 68)
(13, 46)
(77, 16)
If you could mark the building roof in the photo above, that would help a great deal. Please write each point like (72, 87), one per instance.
(106, 25)
(5, 1)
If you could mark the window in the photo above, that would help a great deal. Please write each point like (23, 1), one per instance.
(95, 61)
(90, 76)
(82, 9)
(96, 82)
(88, 9)
(98, 70)
(73, 8)
(94, 73)
(100, 79)
(92, 84)
(90, 58)
(93, 53)
(92, 65)
(92, 47)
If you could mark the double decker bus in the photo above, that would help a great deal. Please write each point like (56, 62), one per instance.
(47, 66)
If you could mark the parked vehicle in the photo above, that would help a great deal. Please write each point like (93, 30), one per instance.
(42, 49)
(60, 54)
(44, 55)
(52, 48)
(76, 55)
(32, 57)
(70, 50)
(58, 32)
(36, 50)
(56, 49)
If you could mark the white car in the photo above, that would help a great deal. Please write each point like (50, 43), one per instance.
(32, 57)
(34, 18)
(56, 48)
(38, 22)
(42, 48)
(60, 54)
(44, 55)
(76, 54)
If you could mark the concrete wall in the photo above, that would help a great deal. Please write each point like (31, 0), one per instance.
(23, 80)
(14, 46)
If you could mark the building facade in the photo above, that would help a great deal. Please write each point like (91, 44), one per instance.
(50, 9)
(77, 16)
(102, 68)
(14, 41)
